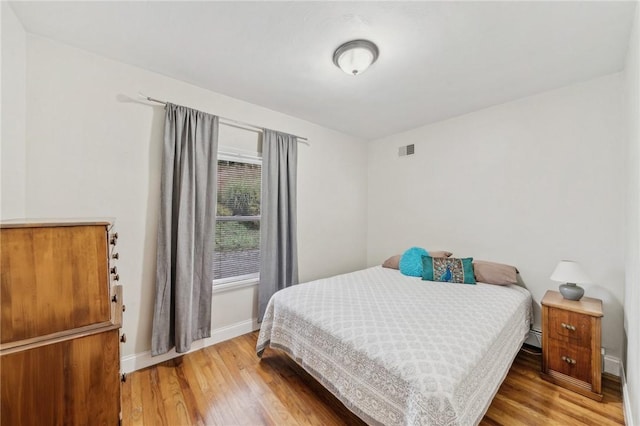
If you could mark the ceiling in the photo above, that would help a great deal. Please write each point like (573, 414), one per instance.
(437, 59)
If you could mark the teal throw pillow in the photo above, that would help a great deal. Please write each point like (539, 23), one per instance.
(411, 261)
(448, 269)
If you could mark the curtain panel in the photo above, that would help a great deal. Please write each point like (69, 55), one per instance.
(186, 230)
(278, 236)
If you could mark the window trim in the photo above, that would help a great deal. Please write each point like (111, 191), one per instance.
(239, 157)
(237, 218)
(234, 283)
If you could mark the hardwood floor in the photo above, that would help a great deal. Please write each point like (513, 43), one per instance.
(226, 384)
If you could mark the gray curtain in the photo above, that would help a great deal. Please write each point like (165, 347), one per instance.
(278, 238)
(186, 230)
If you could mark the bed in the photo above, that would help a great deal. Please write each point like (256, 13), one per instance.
(397, 350)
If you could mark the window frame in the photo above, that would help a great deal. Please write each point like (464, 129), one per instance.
(245, 280)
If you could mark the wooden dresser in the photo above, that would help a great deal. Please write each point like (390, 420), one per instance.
(61, 318)
(571, 339)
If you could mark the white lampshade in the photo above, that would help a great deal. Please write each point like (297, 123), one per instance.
(568, 271)
(355, 56)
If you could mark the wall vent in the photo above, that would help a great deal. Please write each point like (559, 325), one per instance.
(406, 150)
(534, 338)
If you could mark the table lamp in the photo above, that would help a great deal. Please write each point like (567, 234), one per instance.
(570, 273)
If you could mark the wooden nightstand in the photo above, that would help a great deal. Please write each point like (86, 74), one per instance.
(571, 335)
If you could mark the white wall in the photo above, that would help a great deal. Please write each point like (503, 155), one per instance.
(12, 145)
(91, 151)
(632, 287)
(526, 183)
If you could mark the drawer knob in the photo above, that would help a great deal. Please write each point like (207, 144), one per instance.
(113, 241)
(114, 298)
(124, 308)
(114, 270)
(568, 327)
(568, 360)
(116, 277)
(115, 255)
(123, 377)
(123, 338)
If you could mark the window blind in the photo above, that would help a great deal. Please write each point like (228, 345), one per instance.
(237, 248)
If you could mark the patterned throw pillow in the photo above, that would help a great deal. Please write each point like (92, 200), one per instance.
(411, 261)
(448, 269)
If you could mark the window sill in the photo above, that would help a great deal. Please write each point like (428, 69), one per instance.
(235, 285)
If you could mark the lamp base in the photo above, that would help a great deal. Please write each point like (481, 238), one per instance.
(571, 291)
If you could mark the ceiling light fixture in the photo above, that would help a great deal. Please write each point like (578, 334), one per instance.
(355, 56)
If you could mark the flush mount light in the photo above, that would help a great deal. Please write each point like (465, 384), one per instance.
(355, 56)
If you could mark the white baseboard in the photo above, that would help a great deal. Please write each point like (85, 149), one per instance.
(141, 360)
(626, 407)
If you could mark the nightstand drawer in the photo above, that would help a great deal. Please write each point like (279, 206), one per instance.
(572, 361)
(570, 327)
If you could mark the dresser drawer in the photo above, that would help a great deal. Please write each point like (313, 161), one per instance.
(53, 279)
(569, 327)
(572, 361)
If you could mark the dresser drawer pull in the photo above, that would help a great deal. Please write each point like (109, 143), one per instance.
(123, 338)
(568, 326)
(116, 277)
(115, 256)
(114, 298)
(114, 270)
(568, 360)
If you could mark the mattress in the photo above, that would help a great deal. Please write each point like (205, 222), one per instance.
(397, 350)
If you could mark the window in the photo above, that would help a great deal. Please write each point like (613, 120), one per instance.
(237, 250)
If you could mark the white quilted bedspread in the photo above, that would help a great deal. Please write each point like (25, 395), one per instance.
(397, 350)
